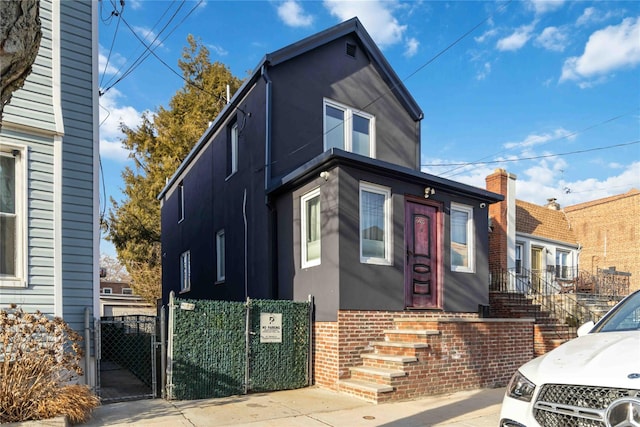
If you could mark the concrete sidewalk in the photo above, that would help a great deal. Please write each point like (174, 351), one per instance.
(313, 407)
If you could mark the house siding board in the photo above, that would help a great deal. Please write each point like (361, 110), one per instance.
(77, 156)
(299, 86)
(32, 105)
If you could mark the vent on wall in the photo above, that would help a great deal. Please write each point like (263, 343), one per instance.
(351, 50)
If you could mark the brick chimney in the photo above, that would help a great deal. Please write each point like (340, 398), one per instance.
(502, 219)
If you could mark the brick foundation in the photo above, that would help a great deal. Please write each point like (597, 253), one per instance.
(417, 353)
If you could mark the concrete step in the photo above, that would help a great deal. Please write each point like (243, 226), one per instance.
(383, 376)
(368, 391)
(409, 349)
(410, 335)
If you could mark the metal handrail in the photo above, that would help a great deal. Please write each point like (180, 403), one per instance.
(547, 290)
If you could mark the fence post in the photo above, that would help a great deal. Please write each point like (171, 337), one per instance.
(310, 356)
(169, 387)
(163, 352)
(247, 345)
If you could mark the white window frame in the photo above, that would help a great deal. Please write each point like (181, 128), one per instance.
(129, 291)
(521, 270)
(185, 271)
(180, 202)
(567, 265)
(107, 291)
(19, 278)
(305, 262)
(470, 230)
(220, 257)
(233, 145)
(387, 233)
(347, 137)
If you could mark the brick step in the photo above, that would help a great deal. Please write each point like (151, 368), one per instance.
(368, 391)
(410, 335)
(388, 361)
(382, 376)
(394, 348)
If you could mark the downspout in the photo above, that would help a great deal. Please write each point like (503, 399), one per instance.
(272, 228)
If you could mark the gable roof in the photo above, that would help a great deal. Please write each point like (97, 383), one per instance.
(585, 205)
(352, 26)
(543, 222)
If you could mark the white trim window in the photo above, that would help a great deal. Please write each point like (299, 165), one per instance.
(127, 291)
(562, 264)
(13, 234)
(220, 256)
(180, 202)
(310, 228)
(375, 224)
(348, 129)
(462, 238)
(107, 291)
(185, 271)
(232, 160)
(519, 255)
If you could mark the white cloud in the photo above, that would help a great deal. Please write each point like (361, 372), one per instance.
(517, 39)
(486, 35)
(375, 15)
(148, 35)
(112, 115)
(544, 6)
(484, 72)
(218, 50)
(105, 68)
(412, 47)
(293, 15)
(553, 38)
(539, 139)
(609, 49)
(591, 15)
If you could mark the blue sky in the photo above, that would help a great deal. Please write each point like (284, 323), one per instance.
(532, 80)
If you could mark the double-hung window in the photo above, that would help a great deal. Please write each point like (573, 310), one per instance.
(348, 129)
(375, 224)
(220, 257)
(310, 228)
(519, 253)
(12, 216)
(462, 238)
(185, 271)
(562, 264)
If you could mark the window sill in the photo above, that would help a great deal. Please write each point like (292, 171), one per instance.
(219, 282)
(184, 291)
(13, 283)
(374, 261)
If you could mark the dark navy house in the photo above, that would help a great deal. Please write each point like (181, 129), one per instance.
(309, 182)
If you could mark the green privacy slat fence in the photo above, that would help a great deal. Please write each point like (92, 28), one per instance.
(209, 355)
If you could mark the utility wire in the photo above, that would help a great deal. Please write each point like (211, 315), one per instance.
(488, 162)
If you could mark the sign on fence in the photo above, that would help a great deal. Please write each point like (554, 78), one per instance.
(271, 327)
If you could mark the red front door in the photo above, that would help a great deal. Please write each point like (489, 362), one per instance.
(422, 289)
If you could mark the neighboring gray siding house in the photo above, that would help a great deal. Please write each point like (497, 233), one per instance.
(49, 172)
(309, 182)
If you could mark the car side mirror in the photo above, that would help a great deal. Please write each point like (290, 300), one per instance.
(586, 328)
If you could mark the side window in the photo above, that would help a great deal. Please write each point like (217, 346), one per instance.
(462, 238)
(107, 291)
(12, 216)
(181, 202)
(519, 252)
(375, 224)
(310, 228)
(127, 291)
(348, 129)
(220, 257)
(562, 264)
(185, 271)
(232, 150)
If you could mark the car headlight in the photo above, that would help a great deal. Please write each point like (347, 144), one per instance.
(520, 388)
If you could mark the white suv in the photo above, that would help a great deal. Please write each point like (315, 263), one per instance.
(590, 381)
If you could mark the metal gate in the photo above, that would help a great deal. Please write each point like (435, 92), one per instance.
(127, 358)
(224, 348)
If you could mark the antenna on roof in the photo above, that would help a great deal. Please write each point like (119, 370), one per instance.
(228, 94)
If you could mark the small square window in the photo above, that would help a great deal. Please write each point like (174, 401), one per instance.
(107, 291)
(127, 291)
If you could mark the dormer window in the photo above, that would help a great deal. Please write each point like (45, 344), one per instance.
(348, 129)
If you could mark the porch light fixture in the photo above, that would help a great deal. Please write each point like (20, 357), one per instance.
(324, 175)
(428, 191)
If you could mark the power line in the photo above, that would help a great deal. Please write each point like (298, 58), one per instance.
(531, 157)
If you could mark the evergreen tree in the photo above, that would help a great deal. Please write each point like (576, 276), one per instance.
(158, 146)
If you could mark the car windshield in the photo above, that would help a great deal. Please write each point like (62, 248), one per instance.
(625, 317)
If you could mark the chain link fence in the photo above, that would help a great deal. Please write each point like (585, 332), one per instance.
(223, 348)
(127, 362)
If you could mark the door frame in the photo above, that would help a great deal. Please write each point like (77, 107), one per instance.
(438, 250)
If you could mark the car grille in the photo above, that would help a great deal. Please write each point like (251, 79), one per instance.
(560, 405)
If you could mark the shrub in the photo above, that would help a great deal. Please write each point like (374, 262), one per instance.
(39, 367)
